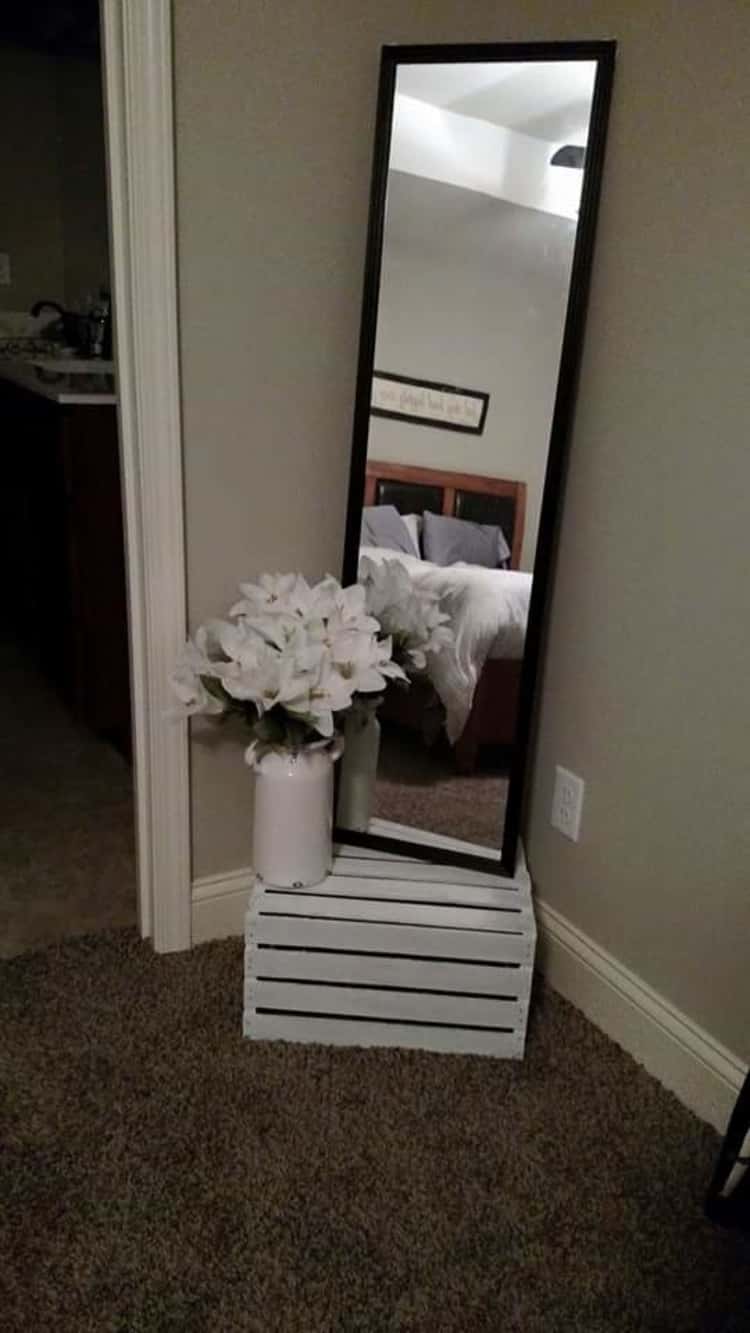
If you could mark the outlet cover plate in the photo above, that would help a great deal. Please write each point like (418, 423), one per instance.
(567, 803)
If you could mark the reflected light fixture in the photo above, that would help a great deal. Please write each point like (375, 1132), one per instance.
(570, 155)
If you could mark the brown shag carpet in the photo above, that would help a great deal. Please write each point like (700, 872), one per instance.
(420, 786)
(67, 843)
(160, 1173)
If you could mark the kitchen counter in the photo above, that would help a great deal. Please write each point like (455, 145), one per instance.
(61, 532)
(66, 382)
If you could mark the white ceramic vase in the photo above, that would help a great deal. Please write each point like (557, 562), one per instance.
(359, 767)
(293, 817)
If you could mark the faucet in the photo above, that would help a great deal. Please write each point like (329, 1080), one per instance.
(69, 325)
(39, 306)
(100, 327)
(90, 333)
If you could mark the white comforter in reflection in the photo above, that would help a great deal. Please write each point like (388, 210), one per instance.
(488, 611)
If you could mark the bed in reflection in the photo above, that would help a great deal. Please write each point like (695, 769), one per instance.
(459, 535)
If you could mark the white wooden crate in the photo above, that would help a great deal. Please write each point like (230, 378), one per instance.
(391, 951)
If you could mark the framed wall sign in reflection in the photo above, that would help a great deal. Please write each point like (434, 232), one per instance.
(428, 403)
(486, 178)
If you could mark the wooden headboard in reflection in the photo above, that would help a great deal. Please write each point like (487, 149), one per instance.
(460, 494)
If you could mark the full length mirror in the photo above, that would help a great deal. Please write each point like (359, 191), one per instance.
(486, 178)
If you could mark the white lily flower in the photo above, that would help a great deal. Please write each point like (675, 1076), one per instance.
(274, 594)
(351, 605)
(262, 675)
(324, 596)
(410, 614)
(339, 623)
(324, 693)
(186, 680)
(365, 661)
(191, 691)
(284, 630)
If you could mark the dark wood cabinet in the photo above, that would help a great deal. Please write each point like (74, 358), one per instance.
(62, 541)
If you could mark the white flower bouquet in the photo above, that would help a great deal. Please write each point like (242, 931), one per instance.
(290, 659)
(408, 614)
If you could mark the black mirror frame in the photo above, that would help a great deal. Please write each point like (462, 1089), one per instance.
(603, 53)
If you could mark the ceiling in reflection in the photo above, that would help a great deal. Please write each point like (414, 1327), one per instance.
(549, 101)
(495, 128)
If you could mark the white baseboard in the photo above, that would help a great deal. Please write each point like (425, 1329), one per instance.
(219, 903)
(703, 1074)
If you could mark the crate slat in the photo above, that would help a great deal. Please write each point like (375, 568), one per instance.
(415, 940)
(373, 1003)
(357, 1032)
(502, 920)
(401, 889)
(467, 978)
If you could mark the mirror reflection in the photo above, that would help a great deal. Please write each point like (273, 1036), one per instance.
(484, 181)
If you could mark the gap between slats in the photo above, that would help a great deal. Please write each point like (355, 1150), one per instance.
(396, 990)
(437, 959)
(283, 1027)
(384, 1022)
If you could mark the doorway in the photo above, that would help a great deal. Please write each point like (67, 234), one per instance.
(136, 59)
(67, 848)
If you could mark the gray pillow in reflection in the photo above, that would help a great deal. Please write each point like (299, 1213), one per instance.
(446, 541)
(382, 525)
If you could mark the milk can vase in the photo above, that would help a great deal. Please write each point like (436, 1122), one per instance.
(359, 767)
(293, 816)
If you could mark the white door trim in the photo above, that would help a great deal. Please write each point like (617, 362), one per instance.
(137, 62)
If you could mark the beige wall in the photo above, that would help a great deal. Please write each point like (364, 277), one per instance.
(646, 682)
(30, 210)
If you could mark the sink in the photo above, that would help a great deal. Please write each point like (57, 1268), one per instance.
(65, 380)
(62, 365)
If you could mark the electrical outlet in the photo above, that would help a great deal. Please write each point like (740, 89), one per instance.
(567, 803)
(4, 270)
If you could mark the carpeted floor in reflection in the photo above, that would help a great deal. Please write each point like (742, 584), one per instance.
(159, 1174)
(421, 787)
(67, 849)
